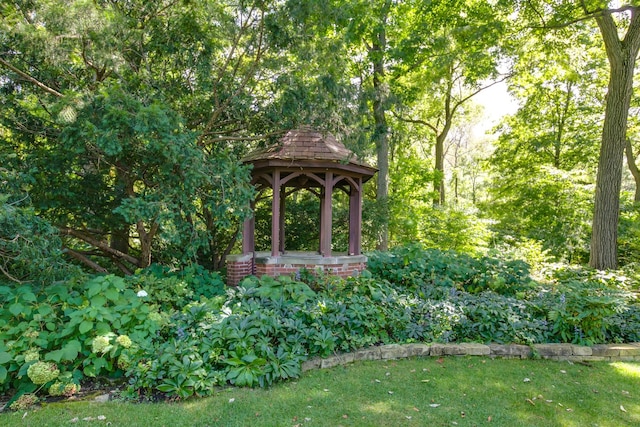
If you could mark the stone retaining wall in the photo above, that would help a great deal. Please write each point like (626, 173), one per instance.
(571, 352)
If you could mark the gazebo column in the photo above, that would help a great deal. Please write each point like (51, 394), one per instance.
(283, 198)
(249, 232)
(326, 216)
(321, 197)
(275, 215)
(355, 219)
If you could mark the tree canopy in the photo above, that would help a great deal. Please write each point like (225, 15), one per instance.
(123, 124)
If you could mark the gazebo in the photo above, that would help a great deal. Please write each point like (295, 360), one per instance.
(306, 159)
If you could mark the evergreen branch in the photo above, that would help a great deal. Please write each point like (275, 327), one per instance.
(9, 276)
(30, 78)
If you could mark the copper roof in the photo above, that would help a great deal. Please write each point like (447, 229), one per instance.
(306, 144)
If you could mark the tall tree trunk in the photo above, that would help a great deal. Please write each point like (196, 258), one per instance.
(146, 242)
(381, 131)
(449, 110)
(438, 182)
(562, 120)
(119, 238)
(622, 55)
(633, 168)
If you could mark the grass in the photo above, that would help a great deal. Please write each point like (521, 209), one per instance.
(465, 391)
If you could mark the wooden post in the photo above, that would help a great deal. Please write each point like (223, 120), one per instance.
(321, 197)
(275, 215)
(249, 232)
(326, 216)
(283, 198)
(355, 219)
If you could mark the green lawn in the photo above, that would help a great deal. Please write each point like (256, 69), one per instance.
(465, 391)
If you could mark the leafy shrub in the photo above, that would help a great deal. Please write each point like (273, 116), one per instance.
(78, 327)
(163, 337)
(414, 267)
(283, 288)
(490, 317)
(528, 250)
(172, 289)
(578, 311)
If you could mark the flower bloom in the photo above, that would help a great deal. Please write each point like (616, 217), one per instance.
(42, 372)
(124, 341)
(142, 293)
(100, 344)
(31, 356)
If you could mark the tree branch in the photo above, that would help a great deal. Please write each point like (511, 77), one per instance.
(241, 138)
(9, 276)
(86, 261)
(31, 79)
(98, 244)
(472, 94)
(415, 121)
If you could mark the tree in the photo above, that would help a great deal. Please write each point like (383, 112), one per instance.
(458, 53)
(30, 248)
(633, 168)
(619, 28)
(124, 119)
(544, 162)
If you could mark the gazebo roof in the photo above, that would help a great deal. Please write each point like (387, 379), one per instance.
(306, 147)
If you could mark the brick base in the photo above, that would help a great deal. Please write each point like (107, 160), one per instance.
(241, 266)
(340, 270)
(238, 267)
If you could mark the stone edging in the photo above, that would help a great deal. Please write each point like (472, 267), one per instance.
(571, 352)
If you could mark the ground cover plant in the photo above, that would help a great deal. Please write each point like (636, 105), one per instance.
(177, 333)
(464, 391)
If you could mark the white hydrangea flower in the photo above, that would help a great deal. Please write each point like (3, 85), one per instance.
(31, 356)
(101, 344)
(124, 341)
(42, 372)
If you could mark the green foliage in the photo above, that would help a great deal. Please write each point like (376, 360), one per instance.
(491, 317)
(548, 205)
(418, 268)
(30, 248)
(629, 234)
(579, 311)
(87, 328)
(281, 289)
(169, 289)
(155, 331)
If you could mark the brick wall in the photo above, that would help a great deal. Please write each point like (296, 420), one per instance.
(238, 268)
(241, 266)
(340, 270)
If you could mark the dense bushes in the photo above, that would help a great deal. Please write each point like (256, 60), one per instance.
(176, 333)
(88, 328)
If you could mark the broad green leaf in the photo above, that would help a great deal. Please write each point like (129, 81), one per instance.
(29, 297)
(16, 309)
(85, 326)
(95, 287)
(4, 357)
(55, 356)
(112, 294)
(71, 350)
(98, 300)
